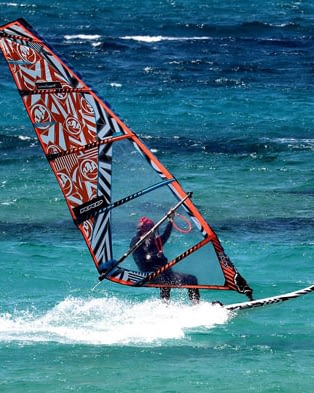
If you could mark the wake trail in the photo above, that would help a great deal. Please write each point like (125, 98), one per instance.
(111, 321)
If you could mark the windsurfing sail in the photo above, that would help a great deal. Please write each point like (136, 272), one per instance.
(108, 176)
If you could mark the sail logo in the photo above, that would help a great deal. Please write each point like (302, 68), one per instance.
(87, 108)
(40, 114)
(88, 229)
(62, 95)
(53, 149)
(66, 183)
(73, 126)
(27, 54)
(92, 206)
(89, 169)
(224, 260)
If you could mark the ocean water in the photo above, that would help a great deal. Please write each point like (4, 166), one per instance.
(223, 93)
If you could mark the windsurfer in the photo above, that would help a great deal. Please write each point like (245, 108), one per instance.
(149, 257)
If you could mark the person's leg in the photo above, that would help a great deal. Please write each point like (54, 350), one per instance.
(189, 279)
(194, 295)
(165, 294)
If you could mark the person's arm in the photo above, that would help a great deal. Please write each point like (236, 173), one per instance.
(165, 236)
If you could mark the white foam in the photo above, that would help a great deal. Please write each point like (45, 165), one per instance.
(24, 138)
(158, 38)
(82, 37)
(114, 84)
(111, 321)
(7, 203)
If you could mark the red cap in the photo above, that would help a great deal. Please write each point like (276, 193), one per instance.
(145, 224)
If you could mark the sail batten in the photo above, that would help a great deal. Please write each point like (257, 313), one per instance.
(52, 89)
(107, 174)
(86, 147)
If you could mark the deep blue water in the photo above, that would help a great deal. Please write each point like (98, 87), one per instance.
(222, 91)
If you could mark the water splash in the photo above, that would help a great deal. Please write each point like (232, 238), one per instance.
(111, 321)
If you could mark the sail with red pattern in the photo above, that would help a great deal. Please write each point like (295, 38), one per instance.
(109, 178)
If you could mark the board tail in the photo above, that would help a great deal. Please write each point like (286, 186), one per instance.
(270, 300)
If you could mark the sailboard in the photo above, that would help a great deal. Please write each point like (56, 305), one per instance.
(110, 178)
(269, 300)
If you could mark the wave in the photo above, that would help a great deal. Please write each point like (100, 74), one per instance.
(152, 39)
(82, 37)
(42, 232)
(19, 4)
(120, 43)
(250, 27)
(14, 141)
(94, 39)
(294, 143)
(191, 31)
(291, 227)
(110, 321)
(115, 43)
(17, 147)
(255, 148)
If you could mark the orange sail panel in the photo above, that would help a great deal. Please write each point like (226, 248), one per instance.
(109, 177)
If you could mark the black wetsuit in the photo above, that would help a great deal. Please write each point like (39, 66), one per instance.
(149, 257)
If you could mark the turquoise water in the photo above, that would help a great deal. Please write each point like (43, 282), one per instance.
(222, 91)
